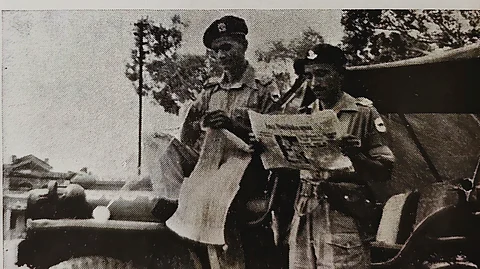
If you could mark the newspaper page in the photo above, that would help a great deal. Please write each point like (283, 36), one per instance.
(207, 194)
(300, 141)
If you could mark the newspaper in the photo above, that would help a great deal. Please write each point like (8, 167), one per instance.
(207, 194)
(300, 141)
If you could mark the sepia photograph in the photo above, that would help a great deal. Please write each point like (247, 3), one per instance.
(164, 139)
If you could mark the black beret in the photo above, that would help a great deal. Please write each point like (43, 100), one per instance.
(321, 54)
(225, 26)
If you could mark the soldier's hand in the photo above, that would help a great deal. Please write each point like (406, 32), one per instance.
(217, 119)
(350, 145)
(255, 144)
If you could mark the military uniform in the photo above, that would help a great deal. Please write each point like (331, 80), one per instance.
(324, 235)
(332, 220)
(235, 99)
(250, 92)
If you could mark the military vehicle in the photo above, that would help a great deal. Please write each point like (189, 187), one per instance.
(61, 232)
(431, 210)
(428, 105)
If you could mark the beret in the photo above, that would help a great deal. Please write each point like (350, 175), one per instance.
(225, 26)
(321, 54)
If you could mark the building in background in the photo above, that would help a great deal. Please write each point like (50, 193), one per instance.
(29, 172)
(20, 176)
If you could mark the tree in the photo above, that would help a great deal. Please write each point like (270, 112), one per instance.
(376, 36)
(169, 78)
(279, 56)
(295, 48)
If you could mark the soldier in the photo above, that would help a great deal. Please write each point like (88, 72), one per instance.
(224, 104)
(331, 228)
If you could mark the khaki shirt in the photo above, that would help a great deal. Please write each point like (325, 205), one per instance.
(235, 99)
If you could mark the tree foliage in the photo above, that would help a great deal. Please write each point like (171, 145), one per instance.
(169, 77)
(375, 36)
(298, 47)
(176, 80)
(279, 56)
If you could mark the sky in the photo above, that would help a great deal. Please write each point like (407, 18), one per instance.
(64, 93)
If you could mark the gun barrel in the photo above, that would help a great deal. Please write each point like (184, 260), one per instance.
(286, 97)
(476, 175)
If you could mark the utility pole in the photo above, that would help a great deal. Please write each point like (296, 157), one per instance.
(139, 41)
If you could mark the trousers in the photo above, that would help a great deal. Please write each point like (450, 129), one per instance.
(321, 237)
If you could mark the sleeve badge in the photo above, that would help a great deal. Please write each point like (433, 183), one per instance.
(380, 125)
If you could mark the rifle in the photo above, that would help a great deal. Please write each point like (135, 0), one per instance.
(288, 95)
(473, 197)
(268, 201)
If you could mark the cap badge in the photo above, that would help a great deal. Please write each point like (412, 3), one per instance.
(222, 27)
(311, 55)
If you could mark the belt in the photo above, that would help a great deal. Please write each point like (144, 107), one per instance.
(322, 175)
(323, 189)
(313, 183)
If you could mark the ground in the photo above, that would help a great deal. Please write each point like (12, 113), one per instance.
(10, 254)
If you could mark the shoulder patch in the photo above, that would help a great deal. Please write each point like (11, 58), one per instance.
(211, 82)
(380, 125)
(364, 101)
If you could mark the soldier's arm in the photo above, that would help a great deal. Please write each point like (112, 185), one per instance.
(375, 155)
(380, 166)
(191, 127)
(378, 149)
(241, 126)
(241, 130)
(219, 119)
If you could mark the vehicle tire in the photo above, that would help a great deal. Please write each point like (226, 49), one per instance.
(189, 261)
(451, 265)
(98, 262)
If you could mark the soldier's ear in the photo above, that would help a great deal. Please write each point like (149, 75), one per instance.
(341, 71)
(244, 50)
(245, 45)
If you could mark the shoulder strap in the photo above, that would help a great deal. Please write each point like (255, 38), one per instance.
(364, 101)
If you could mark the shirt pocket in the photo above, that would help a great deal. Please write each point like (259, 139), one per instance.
(345, 240)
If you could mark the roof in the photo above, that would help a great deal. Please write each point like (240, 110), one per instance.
(467, 52)
(444, 82)
(431, 112)
(29, 159)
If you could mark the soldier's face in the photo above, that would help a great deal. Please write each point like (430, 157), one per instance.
(228, 52)
(325, 80)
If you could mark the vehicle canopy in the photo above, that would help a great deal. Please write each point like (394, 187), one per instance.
(431, 109)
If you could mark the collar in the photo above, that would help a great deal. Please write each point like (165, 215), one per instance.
(247, 79)
(344, 104)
